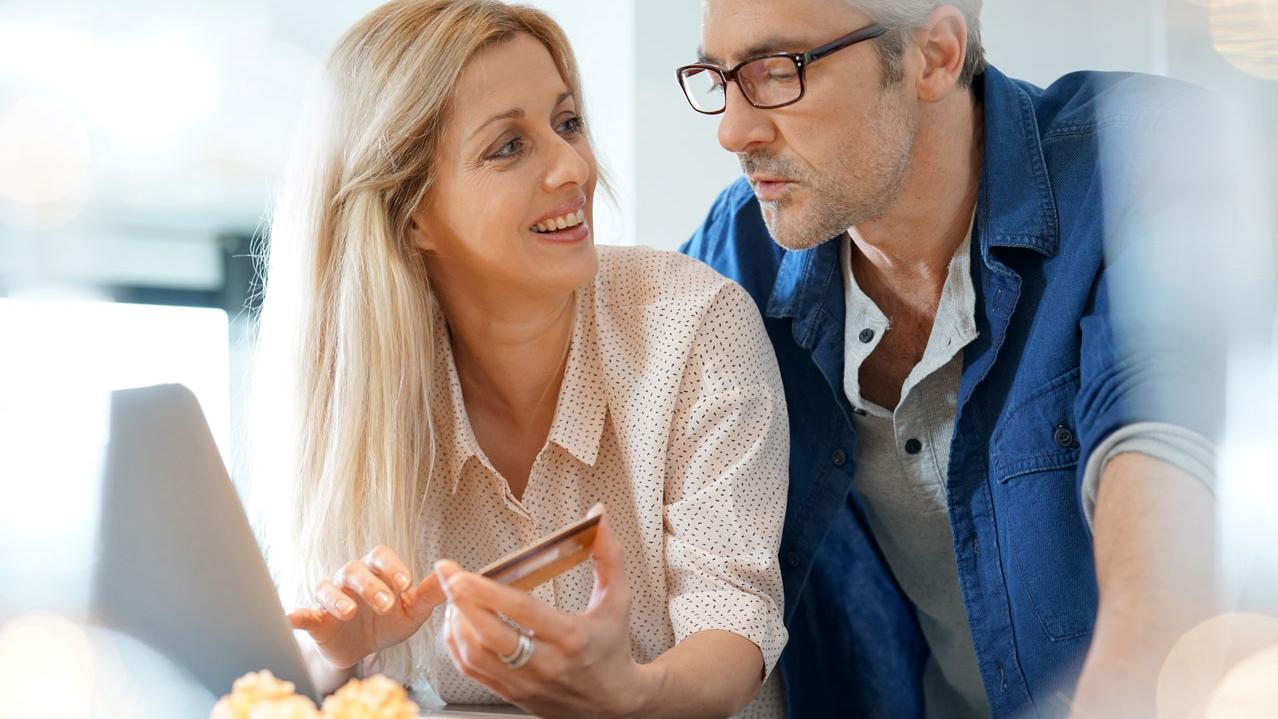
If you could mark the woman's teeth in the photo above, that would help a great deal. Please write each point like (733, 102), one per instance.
(561, 223)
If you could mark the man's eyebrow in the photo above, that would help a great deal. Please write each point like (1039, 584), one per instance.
(767, 46)
(515, 114)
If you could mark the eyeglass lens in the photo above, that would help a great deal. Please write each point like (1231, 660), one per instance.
(766, 82)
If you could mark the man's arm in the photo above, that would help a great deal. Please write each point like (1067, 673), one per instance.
(1155, 561)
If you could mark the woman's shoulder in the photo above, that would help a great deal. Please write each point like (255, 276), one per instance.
(642, 276)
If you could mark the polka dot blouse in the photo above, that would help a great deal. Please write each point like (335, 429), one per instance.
(671, 412)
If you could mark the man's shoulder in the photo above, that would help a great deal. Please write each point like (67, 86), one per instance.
(1090, 103)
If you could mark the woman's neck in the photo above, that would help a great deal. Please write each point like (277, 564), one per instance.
(510, 362)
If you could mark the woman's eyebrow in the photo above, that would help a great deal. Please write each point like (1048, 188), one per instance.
(514, 114)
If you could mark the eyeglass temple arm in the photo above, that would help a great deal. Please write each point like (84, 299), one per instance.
(866, 33)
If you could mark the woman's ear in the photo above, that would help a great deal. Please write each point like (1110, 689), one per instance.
(417, 233)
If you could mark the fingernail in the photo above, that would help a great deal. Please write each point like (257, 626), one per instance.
(596, 510)
(345, 606)
(401, 580)
(444, 569)
(383, 600)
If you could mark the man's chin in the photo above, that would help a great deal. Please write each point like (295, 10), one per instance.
(790, 234)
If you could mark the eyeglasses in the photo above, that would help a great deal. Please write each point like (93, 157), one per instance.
(766, 82)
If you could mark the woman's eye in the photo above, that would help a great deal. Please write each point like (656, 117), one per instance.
(571, 126)
(510, 149)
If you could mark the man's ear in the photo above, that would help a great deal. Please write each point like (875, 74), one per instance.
(943, 43)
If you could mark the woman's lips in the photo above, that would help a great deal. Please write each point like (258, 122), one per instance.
(568, 235)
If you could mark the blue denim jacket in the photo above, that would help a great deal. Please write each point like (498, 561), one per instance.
(1043, 384)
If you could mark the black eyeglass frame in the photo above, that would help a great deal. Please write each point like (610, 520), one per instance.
(801, 61)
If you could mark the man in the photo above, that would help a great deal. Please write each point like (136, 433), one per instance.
(994, 509)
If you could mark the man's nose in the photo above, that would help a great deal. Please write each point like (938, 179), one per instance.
(742, 125)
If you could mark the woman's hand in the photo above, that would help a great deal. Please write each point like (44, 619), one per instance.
(580, 665)
(371, 604)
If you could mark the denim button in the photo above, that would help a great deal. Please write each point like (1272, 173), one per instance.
(1063, 436)
(792, 559)
(866, 336)
(839, 458)
(913, 446)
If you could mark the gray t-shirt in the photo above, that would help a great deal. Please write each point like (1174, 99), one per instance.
(903, 459)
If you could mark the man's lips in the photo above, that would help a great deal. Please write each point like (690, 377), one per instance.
(771, 188)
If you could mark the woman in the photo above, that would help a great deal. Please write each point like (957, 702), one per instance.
(469, 372)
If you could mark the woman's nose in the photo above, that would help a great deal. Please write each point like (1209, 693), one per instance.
(569, 164)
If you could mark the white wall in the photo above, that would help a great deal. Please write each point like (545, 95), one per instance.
(680, 166)
(602, 36)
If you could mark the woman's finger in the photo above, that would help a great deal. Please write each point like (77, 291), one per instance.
(470, 659)
(388, 567)
(358, 578)
(422, 599)
(336, 602)
(611, 594)
(548, 623)
(483, 627)
(312, 621)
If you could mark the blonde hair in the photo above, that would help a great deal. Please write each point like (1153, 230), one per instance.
(343, 428)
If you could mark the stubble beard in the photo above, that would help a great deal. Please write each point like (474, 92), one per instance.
(851, 192)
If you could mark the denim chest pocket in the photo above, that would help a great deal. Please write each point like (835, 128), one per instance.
(1034, 456)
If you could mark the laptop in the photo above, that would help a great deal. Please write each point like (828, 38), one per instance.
(178, 567)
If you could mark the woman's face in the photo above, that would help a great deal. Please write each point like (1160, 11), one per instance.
(513, 168)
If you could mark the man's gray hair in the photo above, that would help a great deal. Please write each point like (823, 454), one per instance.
(901, 17)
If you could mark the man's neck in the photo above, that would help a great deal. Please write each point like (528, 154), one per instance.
(908, 250)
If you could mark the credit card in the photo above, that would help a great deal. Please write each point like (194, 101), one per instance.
(547, 558)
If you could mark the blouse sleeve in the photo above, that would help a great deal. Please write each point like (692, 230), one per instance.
(726, 481)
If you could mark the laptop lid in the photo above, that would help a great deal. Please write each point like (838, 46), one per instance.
(178, 566)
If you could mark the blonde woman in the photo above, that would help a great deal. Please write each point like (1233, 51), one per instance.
(465, 371)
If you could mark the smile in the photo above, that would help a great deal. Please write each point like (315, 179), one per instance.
(571, 219)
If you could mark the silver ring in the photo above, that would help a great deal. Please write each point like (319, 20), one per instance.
(521, 655)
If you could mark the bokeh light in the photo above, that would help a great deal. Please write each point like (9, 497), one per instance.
(1250, 690)
(1207, 670)
(1245, 32)
(47, 668)
(44, 162)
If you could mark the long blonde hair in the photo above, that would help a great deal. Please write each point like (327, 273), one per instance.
(343, 428)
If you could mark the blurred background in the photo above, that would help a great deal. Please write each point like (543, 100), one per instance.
(141, 140)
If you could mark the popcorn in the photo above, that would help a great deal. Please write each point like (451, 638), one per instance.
(374, 698)
(294, 707)
(260, 695)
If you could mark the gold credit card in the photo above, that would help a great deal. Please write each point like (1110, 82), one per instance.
(547, 558)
